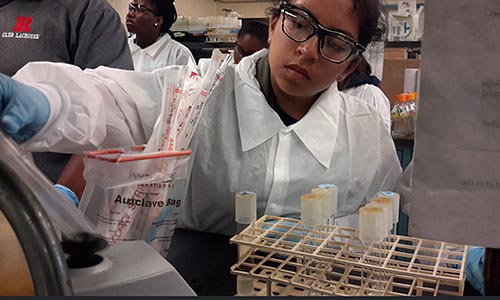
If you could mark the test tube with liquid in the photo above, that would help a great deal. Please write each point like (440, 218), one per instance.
(245, 216)
(372, 229)
(311, 212)
(333, 201)
(395, 206)
(325, 195)
(386, 203)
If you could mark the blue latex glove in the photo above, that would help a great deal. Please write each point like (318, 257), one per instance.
(67, 193)
(23, 109)
(474, 268)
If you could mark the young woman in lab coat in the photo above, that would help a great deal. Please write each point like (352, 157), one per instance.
(276, 125)
(151, 44)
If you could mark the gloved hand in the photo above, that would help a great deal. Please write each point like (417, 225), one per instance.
(67, 193)
(474, 268)
(24, 110)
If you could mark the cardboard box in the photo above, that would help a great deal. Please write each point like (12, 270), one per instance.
(393, 76)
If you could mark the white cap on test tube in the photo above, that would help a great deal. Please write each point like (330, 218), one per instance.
(245, 207)
(311, 206)
(334, 190)
(386, 203)
(395, 203)
(326, 195)
(371, 224)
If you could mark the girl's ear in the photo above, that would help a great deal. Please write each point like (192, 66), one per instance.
(353, 65)
(158, 21)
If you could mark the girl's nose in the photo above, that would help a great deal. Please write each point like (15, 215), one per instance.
(309, 49)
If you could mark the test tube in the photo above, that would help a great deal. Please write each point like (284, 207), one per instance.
(395, 205)
(311, 210)
(386, 203)
(326, 195)
(372, 229)
(333, 201)
(245, 216)
(245, 209)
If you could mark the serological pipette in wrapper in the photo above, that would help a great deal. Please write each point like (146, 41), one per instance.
(183, 103)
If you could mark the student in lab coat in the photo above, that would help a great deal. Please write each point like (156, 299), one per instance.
(251, 38)
(276, 125)
(151, 44)
(362, 84)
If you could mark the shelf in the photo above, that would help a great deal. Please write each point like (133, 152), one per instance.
(403, 44)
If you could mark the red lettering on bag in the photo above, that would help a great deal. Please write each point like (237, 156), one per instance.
(23, 24)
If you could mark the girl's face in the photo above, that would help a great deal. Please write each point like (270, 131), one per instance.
(298, 69)
(142, 17)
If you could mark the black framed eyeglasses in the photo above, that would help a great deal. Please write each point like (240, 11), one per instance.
(141, 8)
(299, 26)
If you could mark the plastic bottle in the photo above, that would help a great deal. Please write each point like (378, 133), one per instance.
(412, 104)
(399, 117)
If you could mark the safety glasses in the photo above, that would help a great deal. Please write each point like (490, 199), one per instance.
(140, 8)
(299, 26)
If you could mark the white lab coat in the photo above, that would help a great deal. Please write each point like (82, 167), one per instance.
(375, 97)
(164, 52)
(241, 143)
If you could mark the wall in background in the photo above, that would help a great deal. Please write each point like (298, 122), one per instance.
(200, 8)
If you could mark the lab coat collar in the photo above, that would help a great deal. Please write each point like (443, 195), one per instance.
(258, 122)
(154, 49)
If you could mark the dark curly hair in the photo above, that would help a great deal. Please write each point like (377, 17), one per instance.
(371, 14)
(256, 29)
(166, 9)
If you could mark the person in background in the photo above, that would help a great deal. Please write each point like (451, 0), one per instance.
(362, 84)
(252, 37)
(276, 125)
(152, 48)
(85, 33)
(151, 44)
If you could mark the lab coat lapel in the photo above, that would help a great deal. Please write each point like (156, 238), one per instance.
(155, 49)
(257, 121)
(318, 129)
